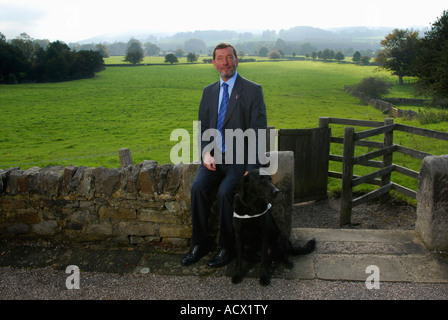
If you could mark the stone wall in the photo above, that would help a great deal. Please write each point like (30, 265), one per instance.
(432, 203)
(383, 106)
(143, 202)
(146, 202)
(418, 102)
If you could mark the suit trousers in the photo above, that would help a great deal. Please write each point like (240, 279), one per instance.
(225, 179)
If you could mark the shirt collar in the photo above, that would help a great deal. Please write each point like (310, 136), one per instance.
(230, 82)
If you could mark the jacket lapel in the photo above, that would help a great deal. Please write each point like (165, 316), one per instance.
(214, 109)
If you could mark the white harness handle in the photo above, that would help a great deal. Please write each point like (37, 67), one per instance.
(246, 216)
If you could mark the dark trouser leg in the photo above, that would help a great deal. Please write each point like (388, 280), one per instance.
(227, 177)
(225, 197)
(204, 182)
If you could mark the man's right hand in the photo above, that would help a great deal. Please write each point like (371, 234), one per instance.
(209, 161)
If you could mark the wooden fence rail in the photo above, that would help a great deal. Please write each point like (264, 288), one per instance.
(386, 149)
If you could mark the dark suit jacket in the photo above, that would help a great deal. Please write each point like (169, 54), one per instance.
(246, 110)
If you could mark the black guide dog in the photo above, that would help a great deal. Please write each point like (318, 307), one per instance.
(255, 228)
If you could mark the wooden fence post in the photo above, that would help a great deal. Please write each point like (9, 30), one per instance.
(324, 122)
(347, 176)
(387, 159)
(125, 157)
(270, 130)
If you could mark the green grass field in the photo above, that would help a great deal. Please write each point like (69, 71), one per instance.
(146, 60)
(86, 122)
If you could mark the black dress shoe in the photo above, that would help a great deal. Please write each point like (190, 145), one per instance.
(196, 253)
(222, 258)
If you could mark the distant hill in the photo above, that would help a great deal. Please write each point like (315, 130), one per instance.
(358, 38)
(360, 32)
(299, 33)
(124, 37)
(302, 33)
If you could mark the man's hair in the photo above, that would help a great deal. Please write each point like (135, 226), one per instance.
(224, 45)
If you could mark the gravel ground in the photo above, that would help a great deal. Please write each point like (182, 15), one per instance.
(49, 284)
(393, 215)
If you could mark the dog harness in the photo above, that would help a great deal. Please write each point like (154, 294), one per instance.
(246, 216)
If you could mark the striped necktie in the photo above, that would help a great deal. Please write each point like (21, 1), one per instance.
(221, 116)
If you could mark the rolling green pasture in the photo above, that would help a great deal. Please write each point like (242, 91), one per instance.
(146, 60)
(155, 59)
(86, 122)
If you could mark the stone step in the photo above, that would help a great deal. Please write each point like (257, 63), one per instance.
(346, 254)
(361, 241)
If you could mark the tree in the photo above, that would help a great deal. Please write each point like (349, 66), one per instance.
(274, 54)
(26, 44)
(134, 52)
(13, 65)
(191, 57)
(398, 52)
(365, 60)
(282, 53)
(373, 87)
(118, 49)
(171, 58)
(356, 56)
(41, 43)
(263, 52)
(103, 50)
(339, 56)
(327, 54)
(85, 64)
(151, 49)
(50, 63)
(306, 48)
(180, 53)
(53, 64)
(431, 63)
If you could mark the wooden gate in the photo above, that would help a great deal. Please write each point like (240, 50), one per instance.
(385, 167)
(311, 149)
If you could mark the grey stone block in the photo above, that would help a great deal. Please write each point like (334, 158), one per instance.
(432, 202)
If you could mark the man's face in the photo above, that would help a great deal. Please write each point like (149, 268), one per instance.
(225, 62)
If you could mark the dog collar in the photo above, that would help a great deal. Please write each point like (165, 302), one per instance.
(246, 216)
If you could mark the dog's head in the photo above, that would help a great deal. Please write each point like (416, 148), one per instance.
(254, 186)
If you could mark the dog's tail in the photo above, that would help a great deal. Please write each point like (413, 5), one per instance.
(308, 248)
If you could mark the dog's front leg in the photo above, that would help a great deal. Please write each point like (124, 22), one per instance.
(265, 276)
(238, 275)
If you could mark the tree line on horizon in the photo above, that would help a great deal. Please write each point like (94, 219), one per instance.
(136, 51)
(25, 60)
(199, 47)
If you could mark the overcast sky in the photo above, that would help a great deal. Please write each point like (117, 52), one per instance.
(77, 20)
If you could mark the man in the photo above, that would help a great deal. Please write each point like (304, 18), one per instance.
(231, 103)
